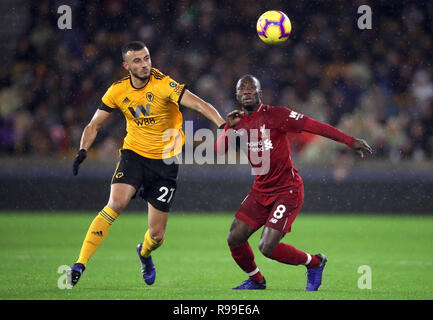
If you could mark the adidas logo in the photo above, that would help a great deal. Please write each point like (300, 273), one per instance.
(126, 100)
(98, 233)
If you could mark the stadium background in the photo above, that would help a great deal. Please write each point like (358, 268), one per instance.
(375, 84)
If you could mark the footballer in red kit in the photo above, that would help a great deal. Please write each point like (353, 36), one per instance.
(277, 194)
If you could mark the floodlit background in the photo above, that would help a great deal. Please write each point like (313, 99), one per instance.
(374, 84)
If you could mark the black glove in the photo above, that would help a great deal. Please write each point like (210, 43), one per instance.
(82, 154)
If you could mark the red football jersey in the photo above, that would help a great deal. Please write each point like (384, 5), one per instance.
(265, 136)
(268, 146)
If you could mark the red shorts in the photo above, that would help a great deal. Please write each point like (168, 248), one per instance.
(275, 211)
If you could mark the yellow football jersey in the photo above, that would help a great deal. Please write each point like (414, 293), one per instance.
(153, 119)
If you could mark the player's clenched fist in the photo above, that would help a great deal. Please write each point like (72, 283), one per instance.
(234, 117)
(82, 154)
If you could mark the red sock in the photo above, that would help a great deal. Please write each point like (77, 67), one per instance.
(244, 257)
(314, 262)
(288, 254)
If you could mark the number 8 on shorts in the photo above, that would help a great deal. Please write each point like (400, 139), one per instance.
(279, 211)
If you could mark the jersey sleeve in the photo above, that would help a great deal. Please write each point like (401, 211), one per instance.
(327, 131)
(291, 121)
(287, 120)
(172, 90)
(108, 102)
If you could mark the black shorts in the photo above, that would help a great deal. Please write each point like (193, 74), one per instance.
(153, 179)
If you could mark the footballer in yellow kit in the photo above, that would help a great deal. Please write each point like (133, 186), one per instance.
(150, 102)
(149, 113)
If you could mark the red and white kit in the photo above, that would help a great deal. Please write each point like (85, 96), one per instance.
(277, 193)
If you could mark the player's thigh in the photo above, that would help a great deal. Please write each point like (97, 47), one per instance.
(239, 232)
(285, 210)
(159, 191)
(120, 196)
(250, 216)
(160, 184)
(129, 170)
(157, 221)
(252, 212)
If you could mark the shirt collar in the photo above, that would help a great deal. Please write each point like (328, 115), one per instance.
(255, 111)
(260, 107)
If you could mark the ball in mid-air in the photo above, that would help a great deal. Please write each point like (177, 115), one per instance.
(273, 27)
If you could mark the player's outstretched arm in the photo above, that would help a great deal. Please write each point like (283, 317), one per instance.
(88, 137)
(330, 132)
(191, 101)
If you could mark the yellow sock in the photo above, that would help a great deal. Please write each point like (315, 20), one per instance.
(96, 234)
(149, 245)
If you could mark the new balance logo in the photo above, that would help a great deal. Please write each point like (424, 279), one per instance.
(98, 233)
(296, 115)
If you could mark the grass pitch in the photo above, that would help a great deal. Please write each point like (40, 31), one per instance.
(195, 264)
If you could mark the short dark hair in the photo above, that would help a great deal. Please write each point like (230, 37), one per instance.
(132, 46)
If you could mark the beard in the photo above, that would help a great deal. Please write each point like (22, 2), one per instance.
(142, 78)
(250, 107)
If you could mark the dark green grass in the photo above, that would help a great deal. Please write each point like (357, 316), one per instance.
(195, 263)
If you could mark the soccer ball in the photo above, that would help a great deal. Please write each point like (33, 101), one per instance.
(273, 27)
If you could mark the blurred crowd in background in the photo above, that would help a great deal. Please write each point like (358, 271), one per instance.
(374, 84)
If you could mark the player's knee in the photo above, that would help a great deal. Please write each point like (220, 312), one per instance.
(234, 239)
(266, 247)
(157, 235)
(231, 240)
(117, 205)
